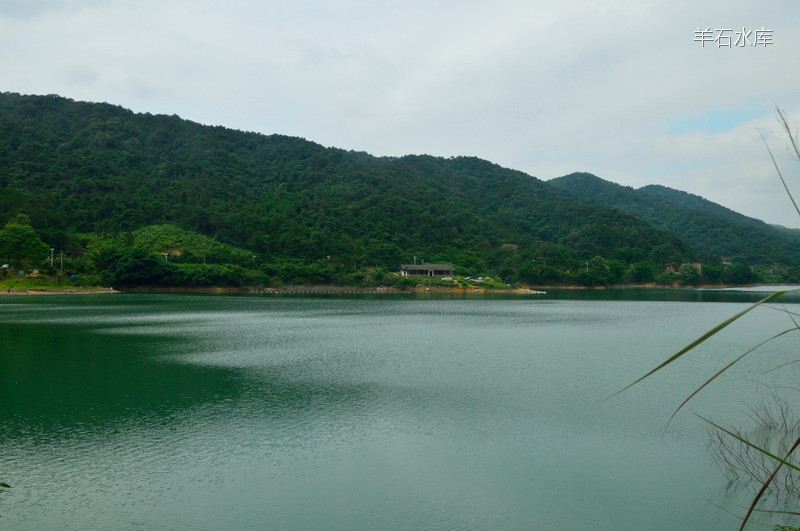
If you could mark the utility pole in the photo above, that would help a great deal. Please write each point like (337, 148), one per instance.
(61, 257)
(166, 255)
(254, 261)
(587, 267)
(51, 257)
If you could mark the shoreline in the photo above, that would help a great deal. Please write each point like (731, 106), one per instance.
(648, 285)
(58, 291)
(326, 290)
(350, 290)
(323, 289)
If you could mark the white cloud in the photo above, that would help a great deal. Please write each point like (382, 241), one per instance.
(545, 87)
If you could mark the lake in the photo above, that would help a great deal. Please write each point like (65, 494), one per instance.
(192, 412)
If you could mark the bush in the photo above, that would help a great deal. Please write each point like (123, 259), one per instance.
(640, 272)
(737, 274)
(216, 275)
(689, 275)
(299, 272)
(132, 267)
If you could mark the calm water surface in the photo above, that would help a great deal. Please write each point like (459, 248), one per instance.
(181, 412)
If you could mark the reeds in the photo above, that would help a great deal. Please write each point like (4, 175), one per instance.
(762, 456)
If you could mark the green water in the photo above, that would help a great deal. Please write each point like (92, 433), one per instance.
(181, 412)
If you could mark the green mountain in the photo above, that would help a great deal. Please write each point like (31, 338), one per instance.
(708, 227)
(77, 168)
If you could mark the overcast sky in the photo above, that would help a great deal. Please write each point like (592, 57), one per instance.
(616, 88)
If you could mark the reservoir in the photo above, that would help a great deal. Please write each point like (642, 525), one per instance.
(201, 412)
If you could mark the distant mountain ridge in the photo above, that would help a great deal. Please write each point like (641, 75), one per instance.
(290, 208)
(711, 229)
(77, 167)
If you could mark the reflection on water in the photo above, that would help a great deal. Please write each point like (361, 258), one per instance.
(239, 412)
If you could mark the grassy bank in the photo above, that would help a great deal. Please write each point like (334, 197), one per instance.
(45, 286)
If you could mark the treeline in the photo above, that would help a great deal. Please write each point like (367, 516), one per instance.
(165, 255)
(599, 271)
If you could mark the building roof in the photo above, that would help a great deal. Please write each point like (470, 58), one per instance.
(425, 267)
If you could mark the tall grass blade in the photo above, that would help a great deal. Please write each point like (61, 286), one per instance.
(784, 310)
(741, 439)
(725, 368)
(788, 130)
(781, 462)
(782, 365)
(793, 513)
(704, 337)
(766, 484)
(780, 174)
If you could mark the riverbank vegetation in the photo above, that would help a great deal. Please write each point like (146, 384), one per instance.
(166, 255)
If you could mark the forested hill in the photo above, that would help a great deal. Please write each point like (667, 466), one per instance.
(76, 167)
(706, 226)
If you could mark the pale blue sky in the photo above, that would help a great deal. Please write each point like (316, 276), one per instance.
(721, 120)
(617, 88)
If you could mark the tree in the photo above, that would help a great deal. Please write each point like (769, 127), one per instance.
(641, 272)
(712, 273)
(690, 276)
(20, 244)
(132, 267)
(737, 274)
(598, 272)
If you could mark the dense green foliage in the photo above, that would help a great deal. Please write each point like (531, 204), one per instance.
(132, 267)
(190, 247)
(20, 245)
(708, 227)
(143, 199)
(78, 168)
